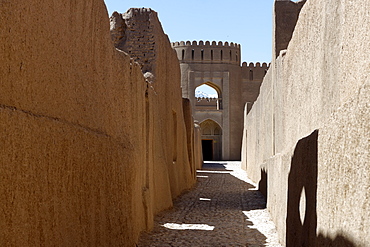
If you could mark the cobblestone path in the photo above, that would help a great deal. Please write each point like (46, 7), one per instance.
(224, 209)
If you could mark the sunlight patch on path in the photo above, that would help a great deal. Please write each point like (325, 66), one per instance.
(208, 171)
(262, 222)
(224, 209)
(203, 227)
(238, 172)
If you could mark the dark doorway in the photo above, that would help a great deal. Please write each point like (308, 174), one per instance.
(207, 147)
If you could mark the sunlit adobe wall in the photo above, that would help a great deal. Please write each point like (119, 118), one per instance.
(83, 131)
(307, 137)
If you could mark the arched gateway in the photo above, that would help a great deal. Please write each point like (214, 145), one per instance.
(211, 140)
(217, 64)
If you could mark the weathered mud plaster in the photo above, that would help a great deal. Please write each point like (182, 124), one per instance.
(320, 83)
(87, 142)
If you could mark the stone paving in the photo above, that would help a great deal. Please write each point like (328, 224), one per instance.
(224, 209)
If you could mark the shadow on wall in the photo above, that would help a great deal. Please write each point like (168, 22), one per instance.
(262, 184)
(339, 241)
(301, 218)
(301, 221)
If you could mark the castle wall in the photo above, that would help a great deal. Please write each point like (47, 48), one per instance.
(85, 158)
(315, 97)
(207, 52)
(193, 136)
(285, 13)
(218, 64)
(252, 76)
(145, 40)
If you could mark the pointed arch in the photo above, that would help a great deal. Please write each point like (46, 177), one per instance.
(208, 103)
(210, 127)
(211, 139)
(212, 85)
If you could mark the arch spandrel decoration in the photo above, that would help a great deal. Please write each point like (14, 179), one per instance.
(217, 131)
(207, 131)
(210, 127)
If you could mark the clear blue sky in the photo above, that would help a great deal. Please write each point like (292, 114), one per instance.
(246, 22)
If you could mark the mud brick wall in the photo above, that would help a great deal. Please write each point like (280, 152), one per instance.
(307, 137)
(86, 140)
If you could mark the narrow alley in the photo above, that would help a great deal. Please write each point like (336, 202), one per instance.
(224, 209)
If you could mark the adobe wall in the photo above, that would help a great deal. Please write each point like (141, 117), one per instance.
(147, 44)
(285, 13)
(86, 157)
(306, 138)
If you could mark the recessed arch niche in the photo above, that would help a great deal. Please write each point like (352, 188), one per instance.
(211, 140)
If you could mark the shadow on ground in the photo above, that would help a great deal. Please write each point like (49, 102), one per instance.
(219, 202)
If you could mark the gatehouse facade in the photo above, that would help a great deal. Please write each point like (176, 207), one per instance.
(217, 65)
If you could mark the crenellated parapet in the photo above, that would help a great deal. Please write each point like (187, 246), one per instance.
(257, 65)
(207, 52)
(254, 72)
(207, 43)
(202, 103)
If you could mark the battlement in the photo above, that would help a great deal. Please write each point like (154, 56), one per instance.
(207, 52)
(255, 66)
(204, 104)
(206, 44)
(254, 72)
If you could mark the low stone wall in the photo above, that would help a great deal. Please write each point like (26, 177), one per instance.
(91, 149)
(307, 138)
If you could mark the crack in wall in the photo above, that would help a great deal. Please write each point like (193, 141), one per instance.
(63, 121)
